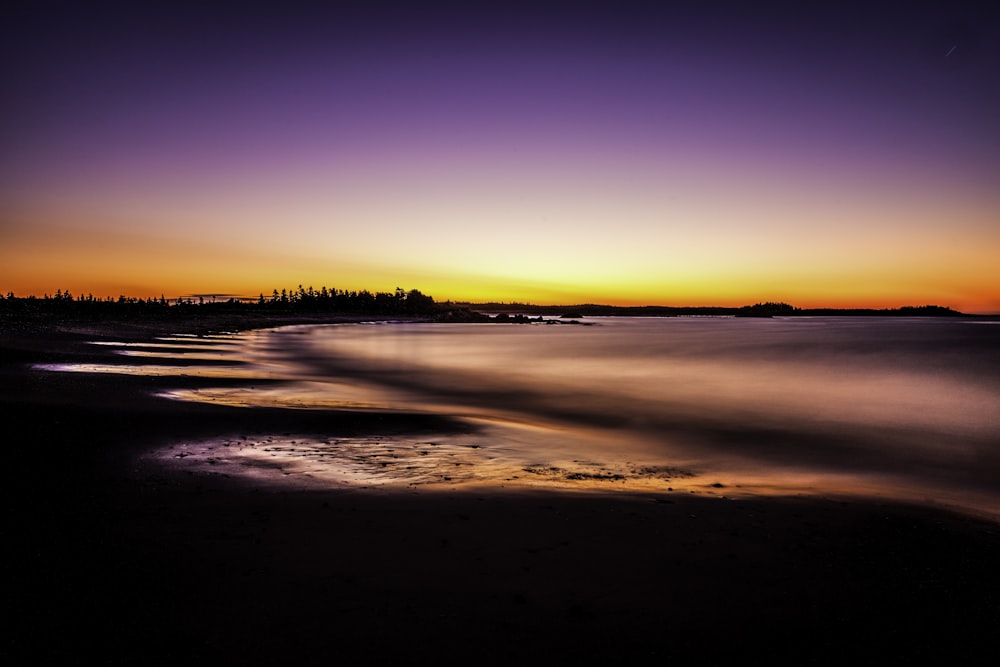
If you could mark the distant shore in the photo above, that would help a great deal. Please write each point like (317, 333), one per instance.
(128, 562)
(31, 313)
(756, 310)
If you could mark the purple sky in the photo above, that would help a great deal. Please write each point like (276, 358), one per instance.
(701, 152)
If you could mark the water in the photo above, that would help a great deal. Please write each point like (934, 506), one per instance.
(903, 408)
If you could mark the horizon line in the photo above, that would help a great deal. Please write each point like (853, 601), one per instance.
(224, 297)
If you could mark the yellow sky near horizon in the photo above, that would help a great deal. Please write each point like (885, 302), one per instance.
(89, 259)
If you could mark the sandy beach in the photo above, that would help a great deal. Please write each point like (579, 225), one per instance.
(122, 561)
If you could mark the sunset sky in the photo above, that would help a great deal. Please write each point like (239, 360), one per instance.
(821, 154)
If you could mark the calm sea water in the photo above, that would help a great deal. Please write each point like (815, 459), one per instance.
(894, 407)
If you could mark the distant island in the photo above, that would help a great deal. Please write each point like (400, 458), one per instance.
(307, 303)
(768, 309)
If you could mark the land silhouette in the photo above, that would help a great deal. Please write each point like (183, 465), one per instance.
(308, 302)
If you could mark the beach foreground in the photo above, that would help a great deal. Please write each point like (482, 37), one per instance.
(124, 561)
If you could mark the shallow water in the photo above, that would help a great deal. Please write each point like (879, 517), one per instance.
(895, 407)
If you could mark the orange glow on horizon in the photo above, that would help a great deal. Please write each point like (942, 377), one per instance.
(476, 290)
(104, 253)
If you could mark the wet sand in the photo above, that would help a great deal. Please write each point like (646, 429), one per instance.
(115, 558)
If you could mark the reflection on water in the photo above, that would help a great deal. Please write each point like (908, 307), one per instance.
(898, 407)
(214, 371)
(444, 460)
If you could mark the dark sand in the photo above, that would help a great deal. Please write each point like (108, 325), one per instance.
(120, 561)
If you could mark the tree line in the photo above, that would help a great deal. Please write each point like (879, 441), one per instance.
(304, 300)
(412, 303)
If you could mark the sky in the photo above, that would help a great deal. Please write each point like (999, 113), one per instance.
(713, 153)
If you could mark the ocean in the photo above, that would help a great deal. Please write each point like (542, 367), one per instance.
(885, 407)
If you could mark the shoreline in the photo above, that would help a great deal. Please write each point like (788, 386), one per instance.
(131, 563)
